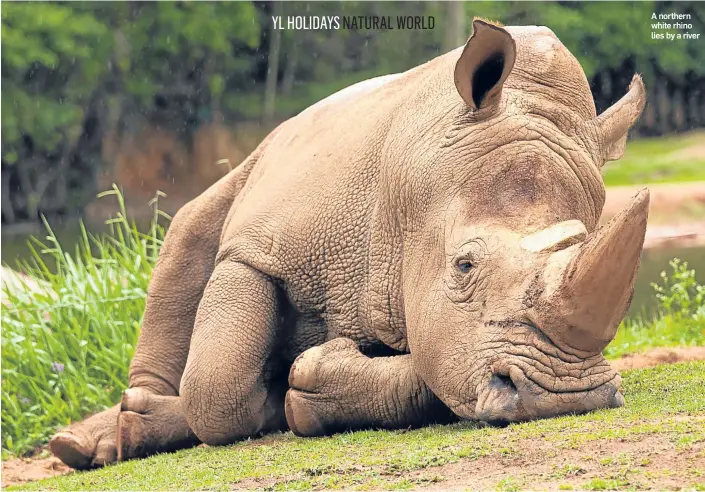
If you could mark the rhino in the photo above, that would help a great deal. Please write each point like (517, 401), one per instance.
(420, 247)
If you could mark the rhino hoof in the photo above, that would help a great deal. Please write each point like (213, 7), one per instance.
(301, 416)
(88, 444)
(72, 450)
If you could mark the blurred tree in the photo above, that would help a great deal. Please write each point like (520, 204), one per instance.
(270, 84)
(76, 71)
(613, 41)
(53, 60)
(71, 72)
(180, 57)
(454, 26)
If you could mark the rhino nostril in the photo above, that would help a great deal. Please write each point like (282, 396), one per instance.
(504, 382)
(500, 402)
(617, 400)
(502, 423)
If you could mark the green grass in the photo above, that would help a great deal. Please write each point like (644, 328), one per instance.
(66, 352)
(681, 322)
(659, 160)
(401, 459)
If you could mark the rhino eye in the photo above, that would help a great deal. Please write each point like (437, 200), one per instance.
(464, 265)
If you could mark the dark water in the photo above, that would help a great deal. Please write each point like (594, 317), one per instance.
(67, 230)
(653, 262)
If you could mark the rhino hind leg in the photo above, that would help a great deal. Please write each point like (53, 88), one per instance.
(335, 387)
(185, 263)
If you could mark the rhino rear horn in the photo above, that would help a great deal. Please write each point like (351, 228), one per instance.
(484, 65)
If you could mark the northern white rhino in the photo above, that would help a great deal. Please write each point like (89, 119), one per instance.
(419, 247)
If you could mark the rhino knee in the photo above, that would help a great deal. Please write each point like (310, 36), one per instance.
(217, 414)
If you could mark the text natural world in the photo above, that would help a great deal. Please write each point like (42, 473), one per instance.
(335, 22)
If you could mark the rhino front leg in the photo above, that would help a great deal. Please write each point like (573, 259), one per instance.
(232, 386)
(334, 387)
(149, 424)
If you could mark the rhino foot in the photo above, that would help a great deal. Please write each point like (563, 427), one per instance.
(334, 387)
(90, 443)
(318, 380)
(140, 425)
(149, 424)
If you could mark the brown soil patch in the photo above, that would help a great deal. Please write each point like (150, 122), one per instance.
(157, 159)
(22, 470)
(650, 463)
(658, 356)
(676, 212)
(679, 235)
(670, 203)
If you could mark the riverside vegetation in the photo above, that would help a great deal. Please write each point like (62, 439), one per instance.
(78, 74)
(66, 348)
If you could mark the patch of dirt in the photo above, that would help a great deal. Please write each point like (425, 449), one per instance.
(657, 356)
(156, 159)
(21, 470)
(676, 212)
(667, 199)
(652, 462)
(679, 235)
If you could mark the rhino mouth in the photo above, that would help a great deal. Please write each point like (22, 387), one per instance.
(527, 377)
(517, 396)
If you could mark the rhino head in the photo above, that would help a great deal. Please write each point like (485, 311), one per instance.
(511, 291)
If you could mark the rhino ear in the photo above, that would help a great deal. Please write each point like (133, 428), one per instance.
(613, 125)
(484, 65)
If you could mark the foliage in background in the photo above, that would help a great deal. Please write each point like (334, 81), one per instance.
(604, 36)
(66, 348)
(53, 58)
(179, 59)
(74, 73)
(677, 158)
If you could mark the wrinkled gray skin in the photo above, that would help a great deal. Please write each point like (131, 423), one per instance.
(416, 248)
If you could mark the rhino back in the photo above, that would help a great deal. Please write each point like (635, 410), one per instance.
(305, 215)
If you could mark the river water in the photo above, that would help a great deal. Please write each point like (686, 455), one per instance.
(653, 261)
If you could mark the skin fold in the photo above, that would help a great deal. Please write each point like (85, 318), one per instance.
(417, 248)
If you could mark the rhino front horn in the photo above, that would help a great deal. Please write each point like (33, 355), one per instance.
(596, 283)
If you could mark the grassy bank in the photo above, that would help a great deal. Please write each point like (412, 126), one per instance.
(678, 158)
(611, 449)
(680, 303)
(66, 350)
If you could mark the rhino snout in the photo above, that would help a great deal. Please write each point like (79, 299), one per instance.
(509, 395)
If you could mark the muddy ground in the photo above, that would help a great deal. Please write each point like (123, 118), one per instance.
(539, 467)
